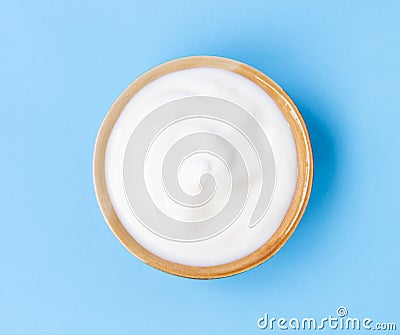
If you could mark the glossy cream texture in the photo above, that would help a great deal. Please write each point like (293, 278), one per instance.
(201, 167)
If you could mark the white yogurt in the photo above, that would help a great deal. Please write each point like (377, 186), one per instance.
(201, 167)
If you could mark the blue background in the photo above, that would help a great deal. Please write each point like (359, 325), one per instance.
(62, 65)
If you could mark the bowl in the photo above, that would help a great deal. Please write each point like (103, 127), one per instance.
(203, 167)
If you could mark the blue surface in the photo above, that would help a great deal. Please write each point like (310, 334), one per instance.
(62, 65)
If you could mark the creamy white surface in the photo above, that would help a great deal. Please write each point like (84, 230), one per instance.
(238, 240)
